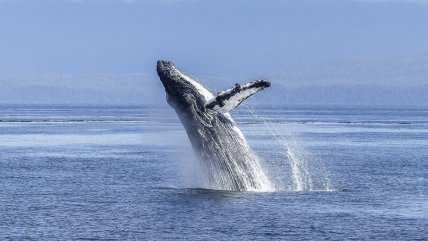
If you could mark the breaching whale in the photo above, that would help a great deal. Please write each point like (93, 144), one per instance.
(227, 160)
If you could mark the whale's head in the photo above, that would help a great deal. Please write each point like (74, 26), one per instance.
(182, 92)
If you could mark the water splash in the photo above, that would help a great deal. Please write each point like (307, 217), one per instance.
(235, 166)
(295, 168)
(224, 158)
(239, 168)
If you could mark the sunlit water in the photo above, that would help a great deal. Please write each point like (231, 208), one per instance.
(129, 173)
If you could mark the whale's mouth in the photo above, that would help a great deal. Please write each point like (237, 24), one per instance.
(164, 65)
(165, 71)
(177, 84)
(168, 76)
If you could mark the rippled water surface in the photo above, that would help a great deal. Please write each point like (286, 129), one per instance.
(129, 173)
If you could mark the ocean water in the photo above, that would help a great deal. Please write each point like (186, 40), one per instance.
(128, 173)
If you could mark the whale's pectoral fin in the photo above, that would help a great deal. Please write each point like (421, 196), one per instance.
(229, 99)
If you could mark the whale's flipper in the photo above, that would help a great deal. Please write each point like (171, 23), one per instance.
(229, 99)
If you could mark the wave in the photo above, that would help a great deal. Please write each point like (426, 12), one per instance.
(340, 122)
(241, 121)
(69, 121)
(201, 190)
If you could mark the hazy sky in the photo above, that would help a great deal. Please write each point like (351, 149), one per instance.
(109, 47)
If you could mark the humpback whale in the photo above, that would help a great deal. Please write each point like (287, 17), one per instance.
(227, 160)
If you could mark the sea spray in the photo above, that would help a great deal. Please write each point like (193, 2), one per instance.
(292, 168)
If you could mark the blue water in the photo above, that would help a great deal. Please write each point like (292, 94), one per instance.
(127, 173)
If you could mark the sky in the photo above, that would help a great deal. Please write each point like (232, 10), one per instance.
(313, 51)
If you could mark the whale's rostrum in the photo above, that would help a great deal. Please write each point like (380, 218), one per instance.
(227, 160)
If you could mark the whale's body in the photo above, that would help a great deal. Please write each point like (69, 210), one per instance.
(226, 158)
